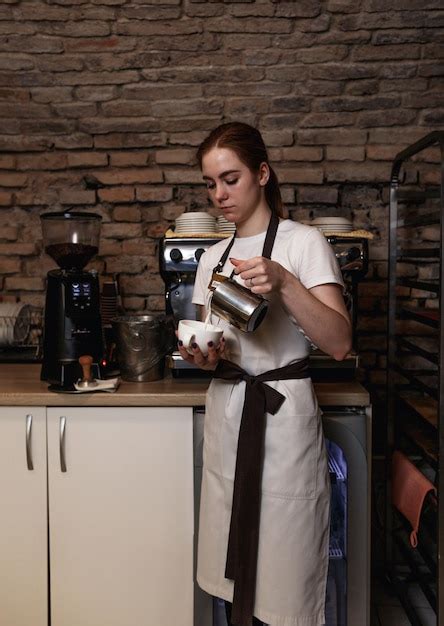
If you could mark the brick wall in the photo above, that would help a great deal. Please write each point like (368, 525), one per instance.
(103, 103)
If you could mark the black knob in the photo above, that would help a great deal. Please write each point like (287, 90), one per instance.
(176, 255)
(199, 252)
(353, 254)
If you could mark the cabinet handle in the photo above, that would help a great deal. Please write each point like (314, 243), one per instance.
(28, 442)
(62, 444)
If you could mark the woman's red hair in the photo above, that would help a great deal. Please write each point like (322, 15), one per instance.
(246, 141)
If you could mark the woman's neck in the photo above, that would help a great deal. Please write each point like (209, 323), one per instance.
(255, 224)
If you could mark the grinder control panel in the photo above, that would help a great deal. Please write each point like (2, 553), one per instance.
(81, 298)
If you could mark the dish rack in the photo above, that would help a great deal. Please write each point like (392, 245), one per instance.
(21, 334)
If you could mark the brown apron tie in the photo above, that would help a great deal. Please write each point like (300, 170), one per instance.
(243, 540)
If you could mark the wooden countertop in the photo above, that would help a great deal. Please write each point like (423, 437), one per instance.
(20, 385)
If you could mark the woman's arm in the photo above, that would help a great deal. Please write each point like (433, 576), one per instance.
(320, 311)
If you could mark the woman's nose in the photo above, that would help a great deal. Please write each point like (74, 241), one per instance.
(221, 193)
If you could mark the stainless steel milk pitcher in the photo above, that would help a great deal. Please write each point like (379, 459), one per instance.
(236, 304)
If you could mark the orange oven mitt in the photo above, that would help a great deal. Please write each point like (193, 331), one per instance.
(409, 489)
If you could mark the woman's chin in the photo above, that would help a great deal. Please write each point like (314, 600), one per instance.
(229, 216)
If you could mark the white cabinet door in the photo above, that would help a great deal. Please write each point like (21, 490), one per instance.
(23, 517)
(121, 517)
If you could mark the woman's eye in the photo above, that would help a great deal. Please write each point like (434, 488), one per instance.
(211, 185)
(232, 181)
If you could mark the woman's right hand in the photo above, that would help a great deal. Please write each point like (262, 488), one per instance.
(208, 362)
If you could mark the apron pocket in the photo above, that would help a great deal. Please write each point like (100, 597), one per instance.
(291, 458)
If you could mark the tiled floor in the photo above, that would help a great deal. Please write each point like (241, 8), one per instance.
(387, 609)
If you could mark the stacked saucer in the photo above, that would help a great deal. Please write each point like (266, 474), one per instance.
(332, 224)
(198, 222)
(224, 226)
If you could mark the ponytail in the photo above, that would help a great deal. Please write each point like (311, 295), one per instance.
(273, 194)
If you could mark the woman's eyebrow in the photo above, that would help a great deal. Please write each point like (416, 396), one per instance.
(222, 174)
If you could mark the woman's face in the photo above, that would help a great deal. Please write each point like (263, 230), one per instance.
(233, 188)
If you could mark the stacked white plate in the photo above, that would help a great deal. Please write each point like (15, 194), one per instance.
(198, 222)
(224, 226)
(335, 224)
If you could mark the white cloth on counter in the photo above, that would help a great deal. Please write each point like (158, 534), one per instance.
(109, 385)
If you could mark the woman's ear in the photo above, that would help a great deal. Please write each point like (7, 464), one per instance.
(264, 174)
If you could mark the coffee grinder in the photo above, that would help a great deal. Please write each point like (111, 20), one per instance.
(72, 311)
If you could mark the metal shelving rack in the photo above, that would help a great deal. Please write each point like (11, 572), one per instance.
(415, 417)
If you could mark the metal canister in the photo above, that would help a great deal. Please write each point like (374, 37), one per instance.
(142, 344)
(236, 304)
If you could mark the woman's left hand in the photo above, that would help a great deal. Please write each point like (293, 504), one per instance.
(207, 361)
(261, 275)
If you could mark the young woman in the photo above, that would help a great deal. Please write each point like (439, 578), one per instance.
(264, 517)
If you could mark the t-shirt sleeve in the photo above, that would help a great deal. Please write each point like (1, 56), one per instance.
(201, 281)
(317, 264)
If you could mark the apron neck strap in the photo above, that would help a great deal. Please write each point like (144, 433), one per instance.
(268, 243)
(270, 236)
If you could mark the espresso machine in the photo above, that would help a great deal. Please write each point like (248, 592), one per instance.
(178, 261)
(352, 255)
(72, 325)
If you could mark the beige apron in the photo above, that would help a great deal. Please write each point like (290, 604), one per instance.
(294, 524)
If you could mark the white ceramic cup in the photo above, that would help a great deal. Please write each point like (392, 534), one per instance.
(192, 331)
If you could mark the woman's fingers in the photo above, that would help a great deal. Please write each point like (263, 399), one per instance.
(263, 276)
(209, 361)
(254, 268)
(199, 359)
(184, 353)
(215, 352)
(257, 283)
(260, 274)
(247, 276)
(245, 265)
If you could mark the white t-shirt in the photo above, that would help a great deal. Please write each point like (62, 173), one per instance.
(301, 249)
(279, 340)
